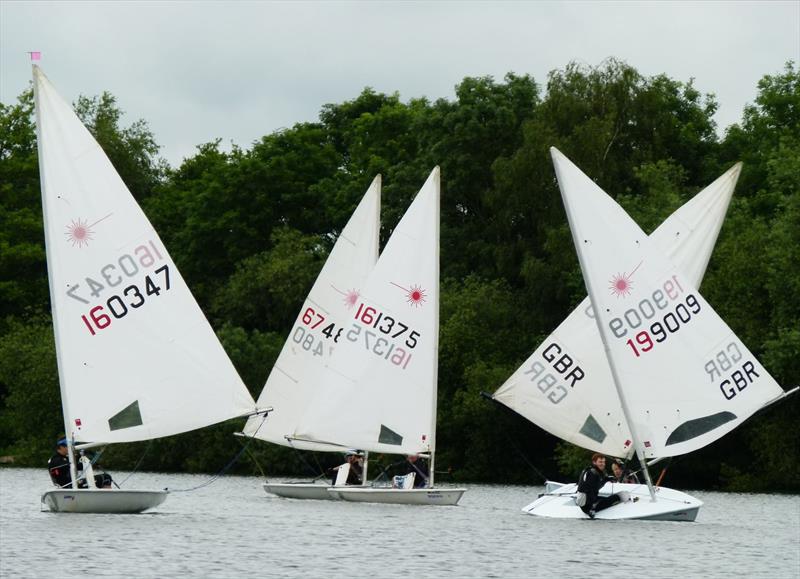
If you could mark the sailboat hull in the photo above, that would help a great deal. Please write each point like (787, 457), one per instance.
(102, 500)
(311, 491)
(670, 505)
(443, 497)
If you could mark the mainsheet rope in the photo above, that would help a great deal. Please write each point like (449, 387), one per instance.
(227, 467)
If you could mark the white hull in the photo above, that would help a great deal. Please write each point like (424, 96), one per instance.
(312, 491)
(445, 497)
(102, 500)
(670, 505)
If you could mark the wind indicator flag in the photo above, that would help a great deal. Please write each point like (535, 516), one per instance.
(35, 56)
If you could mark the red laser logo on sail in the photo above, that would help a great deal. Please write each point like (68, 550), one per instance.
(621, 283)
(415, 295)
(79, 232)
(350, 296)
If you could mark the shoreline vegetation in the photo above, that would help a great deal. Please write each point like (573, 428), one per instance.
(249, 230)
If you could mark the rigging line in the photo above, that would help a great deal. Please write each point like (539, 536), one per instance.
(308, 465)
(380, 476)
(258, 464)
(525, 458)
(250, 454)
(319, 466)
(227, 467)
(487, 396)
(138, 464)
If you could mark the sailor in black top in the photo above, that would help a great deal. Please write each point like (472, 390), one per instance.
(417, 465)
(59, 465)
(591, 481)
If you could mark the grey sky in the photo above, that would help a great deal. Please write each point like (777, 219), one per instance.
(196, 71)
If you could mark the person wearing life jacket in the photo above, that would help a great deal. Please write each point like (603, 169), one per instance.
(590, 482)
(58, 466)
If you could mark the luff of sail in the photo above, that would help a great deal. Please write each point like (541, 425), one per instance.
(565, 386)
(380, 385)
(296, 377)
(684, 376)
(137, 357)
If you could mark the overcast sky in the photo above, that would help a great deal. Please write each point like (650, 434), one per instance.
(197, 71)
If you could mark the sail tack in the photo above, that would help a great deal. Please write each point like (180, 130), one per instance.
(297, 377)
(565, 386)
(137, 357)
(378, 392)
(684, 376)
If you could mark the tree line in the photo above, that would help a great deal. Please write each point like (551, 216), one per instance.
(250, 229)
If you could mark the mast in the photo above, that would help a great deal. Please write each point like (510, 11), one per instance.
(59, 363)
(54, 314)
(603, 335)
(435, 389)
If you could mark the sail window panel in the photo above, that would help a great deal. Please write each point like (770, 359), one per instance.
(699, 426)
(128, 417)
(389, 436)
(592, 429)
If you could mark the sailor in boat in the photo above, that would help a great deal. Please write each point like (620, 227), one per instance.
(622, 474)
(58, 466)
(419, 467)
(591, 481)
(354, 463)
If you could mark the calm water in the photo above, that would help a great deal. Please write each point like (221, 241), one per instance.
(233, 529)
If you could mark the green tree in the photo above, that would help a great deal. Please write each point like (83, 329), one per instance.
(23, 281)
(132, 150)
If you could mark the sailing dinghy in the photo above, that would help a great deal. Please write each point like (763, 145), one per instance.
(137, 359)
(296, 377)
(682, 377)
(565, 386)
(379, 389)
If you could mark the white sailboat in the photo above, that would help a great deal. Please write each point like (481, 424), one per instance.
(137, 359)
(682, 377)
(565, 386)
(296, 377)
(380, 386)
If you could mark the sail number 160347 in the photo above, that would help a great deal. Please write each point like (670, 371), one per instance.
(132, 297)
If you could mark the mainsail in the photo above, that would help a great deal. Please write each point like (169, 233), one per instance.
(379, 389)
(296, 377)
(565, 386)
(684, 376)
(137, 358)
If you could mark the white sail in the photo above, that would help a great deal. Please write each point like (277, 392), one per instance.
(379, 388)
(137, 358)
(684, 376)
(296, 377)
(565, 386)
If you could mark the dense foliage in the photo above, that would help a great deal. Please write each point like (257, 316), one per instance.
(249, 229)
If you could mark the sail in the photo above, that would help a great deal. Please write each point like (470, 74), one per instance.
(565, 386)
(295, 378)
(378, 392)
(137, 358)
(684, 376)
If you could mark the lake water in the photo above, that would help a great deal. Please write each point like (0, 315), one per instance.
(233, 529)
